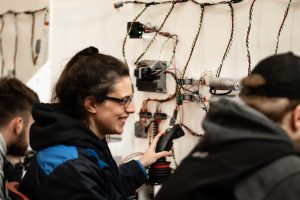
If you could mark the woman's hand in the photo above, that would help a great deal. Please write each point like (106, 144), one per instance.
(150, 156)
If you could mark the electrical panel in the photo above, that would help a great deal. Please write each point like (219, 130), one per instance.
(150, 76)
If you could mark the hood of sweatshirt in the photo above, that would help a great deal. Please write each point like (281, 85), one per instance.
(52, 127)
(238, 140)
(230, 120)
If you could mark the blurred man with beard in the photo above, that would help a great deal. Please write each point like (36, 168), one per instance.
(16, 100)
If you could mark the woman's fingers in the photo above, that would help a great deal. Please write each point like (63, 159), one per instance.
(163, 154)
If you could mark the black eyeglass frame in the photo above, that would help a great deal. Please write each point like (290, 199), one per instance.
(123, 101)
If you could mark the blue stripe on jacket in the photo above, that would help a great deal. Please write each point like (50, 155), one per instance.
(52, 157)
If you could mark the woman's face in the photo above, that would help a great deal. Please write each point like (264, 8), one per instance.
(111, 115)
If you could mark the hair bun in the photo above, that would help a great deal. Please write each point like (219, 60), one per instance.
(91, 50)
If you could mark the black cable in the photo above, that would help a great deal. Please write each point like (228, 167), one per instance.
(217, 3)
(205, 106)
(34, 49)
(214, 92)
(248, 35)
(33, 57)
(147, 4)
(190, 131)
(282, 24)
(174, 49)
(120, 4)
(195, 40)
(24, 12)
(16, 46)
(127, 33)
(158, 30)
(229, 42)
(173, 37)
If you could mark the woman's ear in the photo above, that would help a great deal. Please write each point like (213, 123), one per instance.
(90, 104)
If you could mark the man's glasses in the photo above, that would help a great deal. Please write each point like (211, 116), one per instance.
(124, 101)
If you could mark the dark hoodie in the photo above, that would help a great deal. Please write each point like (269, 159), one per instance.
(238, 141)
(72, 163)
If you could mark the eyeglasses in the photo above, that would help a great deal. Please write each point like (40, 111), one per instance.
(124, 101)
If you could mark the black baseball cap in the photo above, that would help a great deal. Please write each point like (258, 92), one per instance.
(278, 76)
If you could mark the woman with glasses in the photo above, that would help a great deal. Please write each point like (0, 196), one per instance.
(73, 161)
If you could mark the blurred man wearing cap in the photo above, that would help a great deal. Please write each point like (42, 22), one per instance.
(250, 149)
(16, 101)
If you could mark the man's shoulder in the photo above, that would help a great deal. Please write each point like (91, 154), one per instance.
(270, 178)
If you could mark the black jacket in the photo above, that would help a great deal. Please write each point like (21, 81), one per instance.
(72, 163)
(238, 143)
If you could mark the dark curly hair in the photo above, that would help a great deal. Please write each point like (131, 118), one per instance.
(16, 99)
(88, 73)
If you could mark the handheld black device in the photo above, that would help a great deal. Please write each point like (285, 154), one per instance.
(161, 170)
(165, 142)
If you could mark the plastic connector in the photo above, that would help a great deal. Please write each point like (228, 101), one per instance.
(118, 5)
(38, 46)
(146, 115)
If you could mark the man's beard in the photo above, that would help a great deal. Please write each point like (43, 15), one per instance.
(19, 146)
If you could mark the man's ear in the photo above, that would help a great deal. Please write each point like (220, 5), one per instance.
(296, 118)
(17, 125)
(90, 104)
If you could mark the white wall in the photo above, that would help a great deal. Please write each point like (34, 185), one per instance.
(77, 24)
